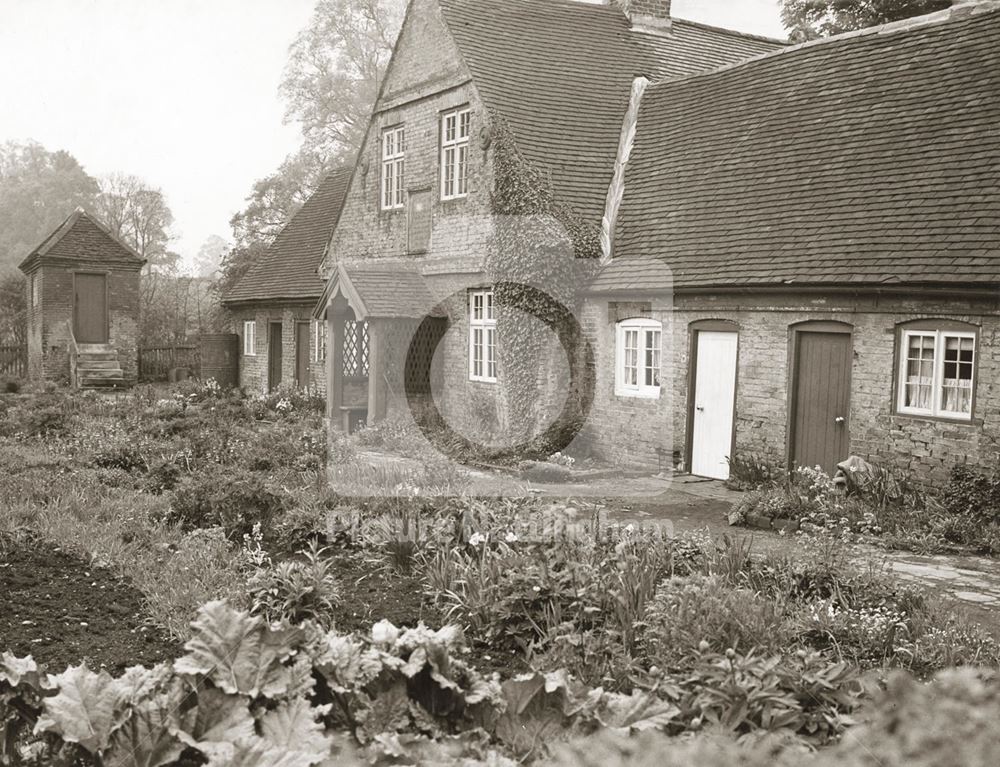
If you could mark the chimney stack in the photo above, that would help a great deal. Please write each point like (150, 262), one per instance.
(653, 14)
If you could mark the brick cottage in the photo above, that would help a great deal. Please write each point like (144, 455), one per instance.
(82, 294)
(799, 246)
(271, 305)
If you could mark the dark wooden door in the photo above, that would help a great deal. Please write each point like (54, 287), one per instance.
(90, 308)
(274, 354)
(822, 401)
(302, 354)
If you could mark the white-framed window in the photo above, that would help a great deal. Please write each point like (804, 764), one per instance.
(482, 337)
(455, 127)
(393, 167)
(637, 357)
(249, 338)
(937, 373)
(319, 341)
(34, 289)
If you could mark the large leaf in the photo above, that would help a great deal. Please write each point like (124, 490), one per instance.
(346, 664)
(257, 752)
(633, 713)
(292, 727)
(146, 739)
(238, 652)
(217, 722)
(539, 709)
(83, 711)
(14, 670)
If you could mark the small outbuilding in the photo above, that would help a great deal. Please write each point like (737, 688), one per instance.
(83, 306)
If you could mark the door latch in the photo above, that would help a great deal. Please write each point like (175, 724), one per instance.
(839, 419)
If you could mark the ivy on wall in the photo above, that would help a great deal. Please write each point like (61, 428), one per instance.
(542, 253)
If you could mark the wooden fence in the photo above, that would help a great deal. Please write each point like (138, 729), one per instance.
(13, 361)
(155, 362)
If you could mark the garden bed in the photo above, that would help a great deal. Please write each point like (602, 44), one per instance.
(62, 611)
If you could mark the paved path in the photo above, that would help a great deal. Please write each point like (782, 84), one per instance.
(691, 504)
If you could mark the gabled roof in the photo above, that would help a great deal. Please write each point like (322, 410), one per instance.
(871, 158)
(390, 290)
(288, 268)
(560, 72)
(82, 237)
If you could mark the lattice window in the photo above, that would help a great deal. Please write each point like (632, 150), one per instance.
(355, 349)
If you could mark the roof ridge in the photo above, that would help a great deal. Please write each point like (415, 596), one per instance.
(728, 31)
(962, 11)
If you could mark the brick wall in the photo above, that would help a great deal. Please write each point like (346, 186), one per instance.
(254, 368)
(629, 430)
(50, 321)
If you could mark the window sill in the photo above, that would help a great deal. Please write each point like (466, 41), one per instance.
(460, 198)
(939, 419)
(488, 381)
(638, 393)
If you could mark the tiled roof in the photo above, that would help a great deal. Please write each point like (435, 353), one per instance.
(288, 268)
(82, 237)
(392, 290)
(872, 158)
(560, 72)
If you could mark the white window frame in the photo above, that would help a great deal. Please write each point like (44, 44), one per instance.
(482, 336)
(393, 177)
(249, 338)
(456, 126)
(319, 340)
(35, 292)
(648, 336)
(937, 381)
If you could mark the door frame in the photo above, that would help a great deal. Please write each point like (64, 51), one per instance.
(271, 324)
(107, 300)
(794, 331)
(308, 352)
(718, 326)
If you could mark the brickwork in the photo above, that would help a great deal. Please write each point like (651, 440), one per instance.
(630, 430)
(254, 368)
(657, 9)
(49, 322)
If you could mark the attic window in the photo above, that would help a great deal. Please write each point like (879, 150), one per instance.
(393, 167)
(455, 127)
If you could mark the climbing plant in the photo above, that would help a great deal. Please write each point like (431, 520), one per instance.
(541, 254)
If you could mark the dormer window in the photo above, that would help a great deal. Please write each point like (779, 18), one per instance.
(455, 127)
(393, 162)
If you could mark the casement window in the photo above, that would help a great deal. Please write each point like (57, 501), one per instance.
(937, 373)
(455, 154)
(393, 167)
(638, 344)
(482, 337)
(319, 341)
(249, 338)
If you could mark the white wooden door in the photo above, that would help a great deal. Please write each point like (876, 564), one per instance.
(714, 403)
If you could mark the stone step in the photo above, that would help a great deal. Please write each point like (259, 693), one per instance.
(100, 374)
(103, 383)
(97, 356)
(89, 363)
(89, 348)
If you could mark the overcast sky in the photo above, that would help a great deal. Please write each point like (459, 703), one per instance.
(184, 93)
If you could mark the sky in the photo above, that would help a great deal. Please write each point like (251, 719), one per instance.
(184, 93)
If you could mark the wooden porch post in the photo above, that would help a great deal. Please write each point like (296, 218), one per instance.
(334, 364)
(376, 369)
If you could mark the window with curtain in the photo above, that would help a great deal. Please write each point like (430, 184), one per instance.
(482, 337)
(937, 373)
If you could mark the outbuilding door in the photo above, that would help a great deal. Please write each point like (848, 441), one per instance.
(90, 308)
(302, 354)
(274, 354)
(714, 403)
(822, 399)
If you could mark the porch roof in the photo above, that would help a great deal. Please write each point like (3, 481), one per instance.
(380, 291)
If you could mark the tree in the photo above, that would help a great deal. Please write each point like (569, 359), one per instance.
(335, 69)
(13, 310)
(209, 258)
(138, 214)
(333, 74)
(38, 190)
(810, 19)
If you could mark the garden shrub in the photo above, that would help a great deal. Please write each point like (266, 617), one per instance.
(691, 614)
(753, 472)
(10, 386)
(295, 590)
(232, 500)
